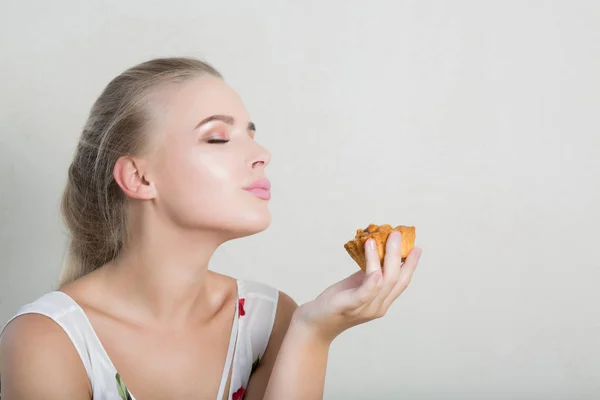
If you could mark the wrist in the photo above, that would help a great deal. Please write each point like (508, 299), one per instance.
(308, 332)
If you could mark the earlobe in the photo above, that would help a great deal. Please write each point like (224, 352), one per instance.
(129, 175)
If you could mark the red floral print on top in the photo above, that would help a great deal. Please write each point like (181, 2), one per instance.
(239, 394)
(242, 312)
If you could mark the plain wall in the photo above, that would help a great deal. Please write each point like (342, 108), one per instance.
(475, 121)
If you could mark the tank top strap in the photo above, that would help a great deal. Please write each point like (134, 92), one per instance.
(65, 312)
(257, 307)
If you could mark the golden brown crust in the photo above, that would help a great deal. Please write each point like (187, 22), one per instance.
(380, 233)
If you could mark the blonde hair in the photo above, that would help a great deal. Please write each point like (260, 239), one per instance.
(93, 206)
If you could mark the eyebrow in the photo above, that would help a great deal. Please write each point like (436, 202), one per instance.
(228, 119)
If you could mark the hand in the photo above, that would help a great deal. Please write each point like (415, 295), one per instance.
(362, 296)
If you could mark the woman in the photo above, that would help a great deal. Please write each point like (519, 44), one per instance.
(166, 170)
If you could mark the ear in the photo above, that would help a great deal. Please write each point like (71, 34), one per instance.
(129, 175)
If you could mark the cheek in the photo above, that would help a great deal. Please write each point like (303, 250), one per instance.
(215, 169)
(199, 179)
(205, 189)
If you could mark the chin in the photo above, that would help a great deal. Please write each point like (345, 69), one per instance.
(250, 224)
(258, 224)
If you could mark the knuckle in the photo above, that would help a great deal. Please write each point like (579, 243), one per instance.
(380, 312)
(405, 281)
(352, 313)
(364, 297)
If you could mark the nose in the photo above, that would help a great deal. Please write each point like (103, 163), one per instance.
(262, 157)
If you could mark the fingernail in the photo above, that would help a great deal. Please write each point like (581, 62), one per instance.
(371, 244)
(396, 238)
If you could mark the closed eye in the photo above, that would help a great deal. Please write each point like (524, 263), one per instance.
(218, 141)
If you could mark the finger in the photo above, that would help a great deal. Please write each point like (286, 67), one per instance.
(371, 257)
(353, 299)
(405, 276)
(393, 255)
(391, 265)
(351, 282)
(365, 293)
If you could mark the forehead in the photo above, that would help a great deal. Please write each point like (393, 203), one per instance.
(202, 97)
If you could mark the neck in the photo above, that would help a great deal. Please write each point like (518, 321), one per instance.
(163, 274)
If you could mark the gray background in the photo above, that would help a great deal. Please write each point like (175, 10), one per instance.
(476, 121)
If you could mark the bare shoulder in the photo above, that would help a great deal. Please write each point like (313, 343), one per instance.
(38, 361)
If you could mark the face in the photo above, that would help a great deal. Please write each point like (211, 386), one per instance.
(208, 169)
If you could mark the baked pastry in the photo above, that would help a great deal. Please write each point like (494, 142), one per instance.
(356, 247)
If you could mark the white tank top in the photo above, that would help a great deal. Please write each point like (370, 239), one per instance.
(254, 317)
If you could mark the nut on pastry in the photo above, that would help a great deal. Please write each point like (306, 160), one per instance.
(380, 233)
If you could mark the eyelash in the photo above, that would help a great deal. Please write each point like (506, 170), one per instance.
(217, 141)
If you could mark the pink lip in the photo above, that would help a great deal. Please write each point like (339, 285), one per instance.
(261, 188)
